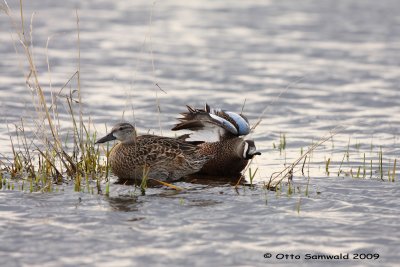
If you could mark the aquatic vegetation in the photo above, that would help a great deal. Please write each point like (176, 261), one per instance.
(352, 162)
(327, 166)
(41, 158)
(251, 176)
(282, 143)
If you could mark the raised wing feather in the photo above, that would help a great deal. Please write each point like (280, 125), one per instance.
(206, 126)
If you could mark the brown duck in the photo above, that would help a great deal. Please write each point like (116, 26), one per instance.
(219, 132)
(156, 157)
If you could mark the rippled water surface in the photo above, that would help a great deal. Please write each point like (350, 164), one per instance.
(339, 62)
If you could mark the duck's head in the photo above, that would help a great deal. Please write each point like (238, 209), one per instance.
(247, 149)
(122, 132)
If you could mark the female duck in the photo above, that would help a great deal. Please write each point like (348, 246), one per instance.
(156, 157)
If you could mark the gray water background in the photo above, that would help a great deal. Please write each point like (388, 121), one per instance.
(340, 60)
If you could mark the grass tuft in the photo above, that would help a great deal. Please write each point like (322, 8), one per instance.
(40, 157)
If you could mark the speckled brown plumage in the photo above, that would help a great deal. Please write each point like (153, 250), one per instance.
(162, 157)
(166, 158)
(226, 161)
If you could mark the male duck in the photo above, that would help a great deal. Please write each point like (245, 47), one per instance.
(219, 132)
(160, 158)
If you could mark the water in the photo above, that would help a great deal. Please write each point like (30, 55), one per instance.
(341, 60)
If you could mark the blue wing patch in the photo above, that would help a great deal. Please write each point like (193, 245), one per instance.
(243, 125)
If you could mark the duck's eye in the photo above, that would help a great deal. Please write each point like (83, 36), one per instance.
(120, 128)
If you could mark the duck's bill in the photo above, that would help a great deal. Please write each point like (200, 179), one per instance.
(256, 153)
(108, 137)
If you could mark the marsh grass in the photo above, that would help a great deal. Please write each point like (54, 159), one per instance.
(145, 177)
(353, 162)
(282, 181)
(327, 166)
(287, 173)
(40, 157)
(282, 142)
(251, 176)
(393, 176)
(44, 157)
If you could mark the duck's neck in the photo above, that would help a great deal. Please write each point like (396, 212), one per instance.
(130, 139)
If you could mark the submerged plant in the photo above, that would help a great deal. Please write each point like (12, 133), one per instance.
(145, 177)
(251, 176)
(327, 166)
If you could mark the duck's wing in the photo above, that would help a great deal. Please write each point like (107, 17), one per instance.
(240, 122)
(212, 125)
(165, 151)
(205, 126)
